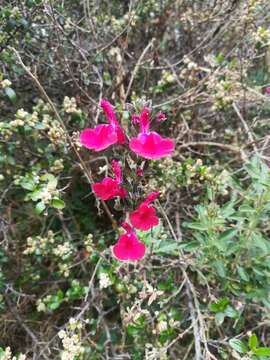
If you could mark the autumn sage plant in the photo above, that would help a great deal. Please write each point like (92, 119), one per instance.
(148, 145)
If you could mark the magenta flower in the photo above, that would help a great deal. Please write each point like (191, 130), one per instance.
(139, 172)
(102, 136)
(144, 217)
(161, 117)
(149, 144)
(110, 188)
(128, 247)
(267, 90)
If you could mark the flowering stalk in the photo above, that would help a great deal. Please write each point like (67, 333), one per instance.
(148, 145)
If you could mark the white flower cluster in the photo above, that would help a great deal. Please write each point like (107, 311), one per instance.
(116, 53)
(57, 166)
(5, 131)
(70, 105)
(56, 134)
(63, 250)
(190, 71)
(166, 78)
(39, 244)
(46, 246)
(5, 83)
(71, 341)
(41, 306)
(24, 118)
(163, 324)
(88, 243)
(155, 353)
(262, 35)
(64, 269)
(20, 118)
(46, 195)
(104, 280)
(7, 355)
(76, 139)
(46, 120)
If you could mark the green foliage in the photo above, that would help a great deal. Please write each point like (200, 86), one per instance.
(222, 309)
(232, 238)
(253, 349)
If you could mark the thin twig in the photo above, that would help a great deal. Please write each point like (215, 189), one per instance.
(246, 127)
(136, 68)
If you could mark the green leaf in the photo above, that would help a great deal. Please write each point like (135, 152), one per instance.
(228, 234)
(242, 273)
(262, 351)
(40, 207)
(28, 184)
(196, 226)
(220, 268)
(60, 295)
(53, 306)
(231, 312)
(253, 342)
(10, 93)
(260, 242)
(37, 194)
(238, 346)
(51, 179)
(57, 203)
(219, 318)
(220, 305)
(246, 209)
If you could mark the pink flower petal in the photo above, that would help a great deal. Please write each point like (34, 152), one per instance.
(108, 189)
(144, 218)
(117, 171)
(160, 117)
(135, 119)
(129, 247)
(109, 112)
(102, 136)
(145, 120)
(139, 172)
(98, 138)
(151, 146)
(151, 197)
(121, 138)
(112, 119)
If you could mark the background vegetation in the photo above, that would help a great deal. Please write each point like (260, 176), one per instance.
(202, 292)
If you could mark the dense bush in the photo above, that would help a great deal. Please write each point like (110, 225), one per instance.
(202, 289)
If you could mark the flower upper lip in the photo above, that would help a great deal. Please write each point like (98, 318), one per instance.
(149, 144)
(104, 135)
